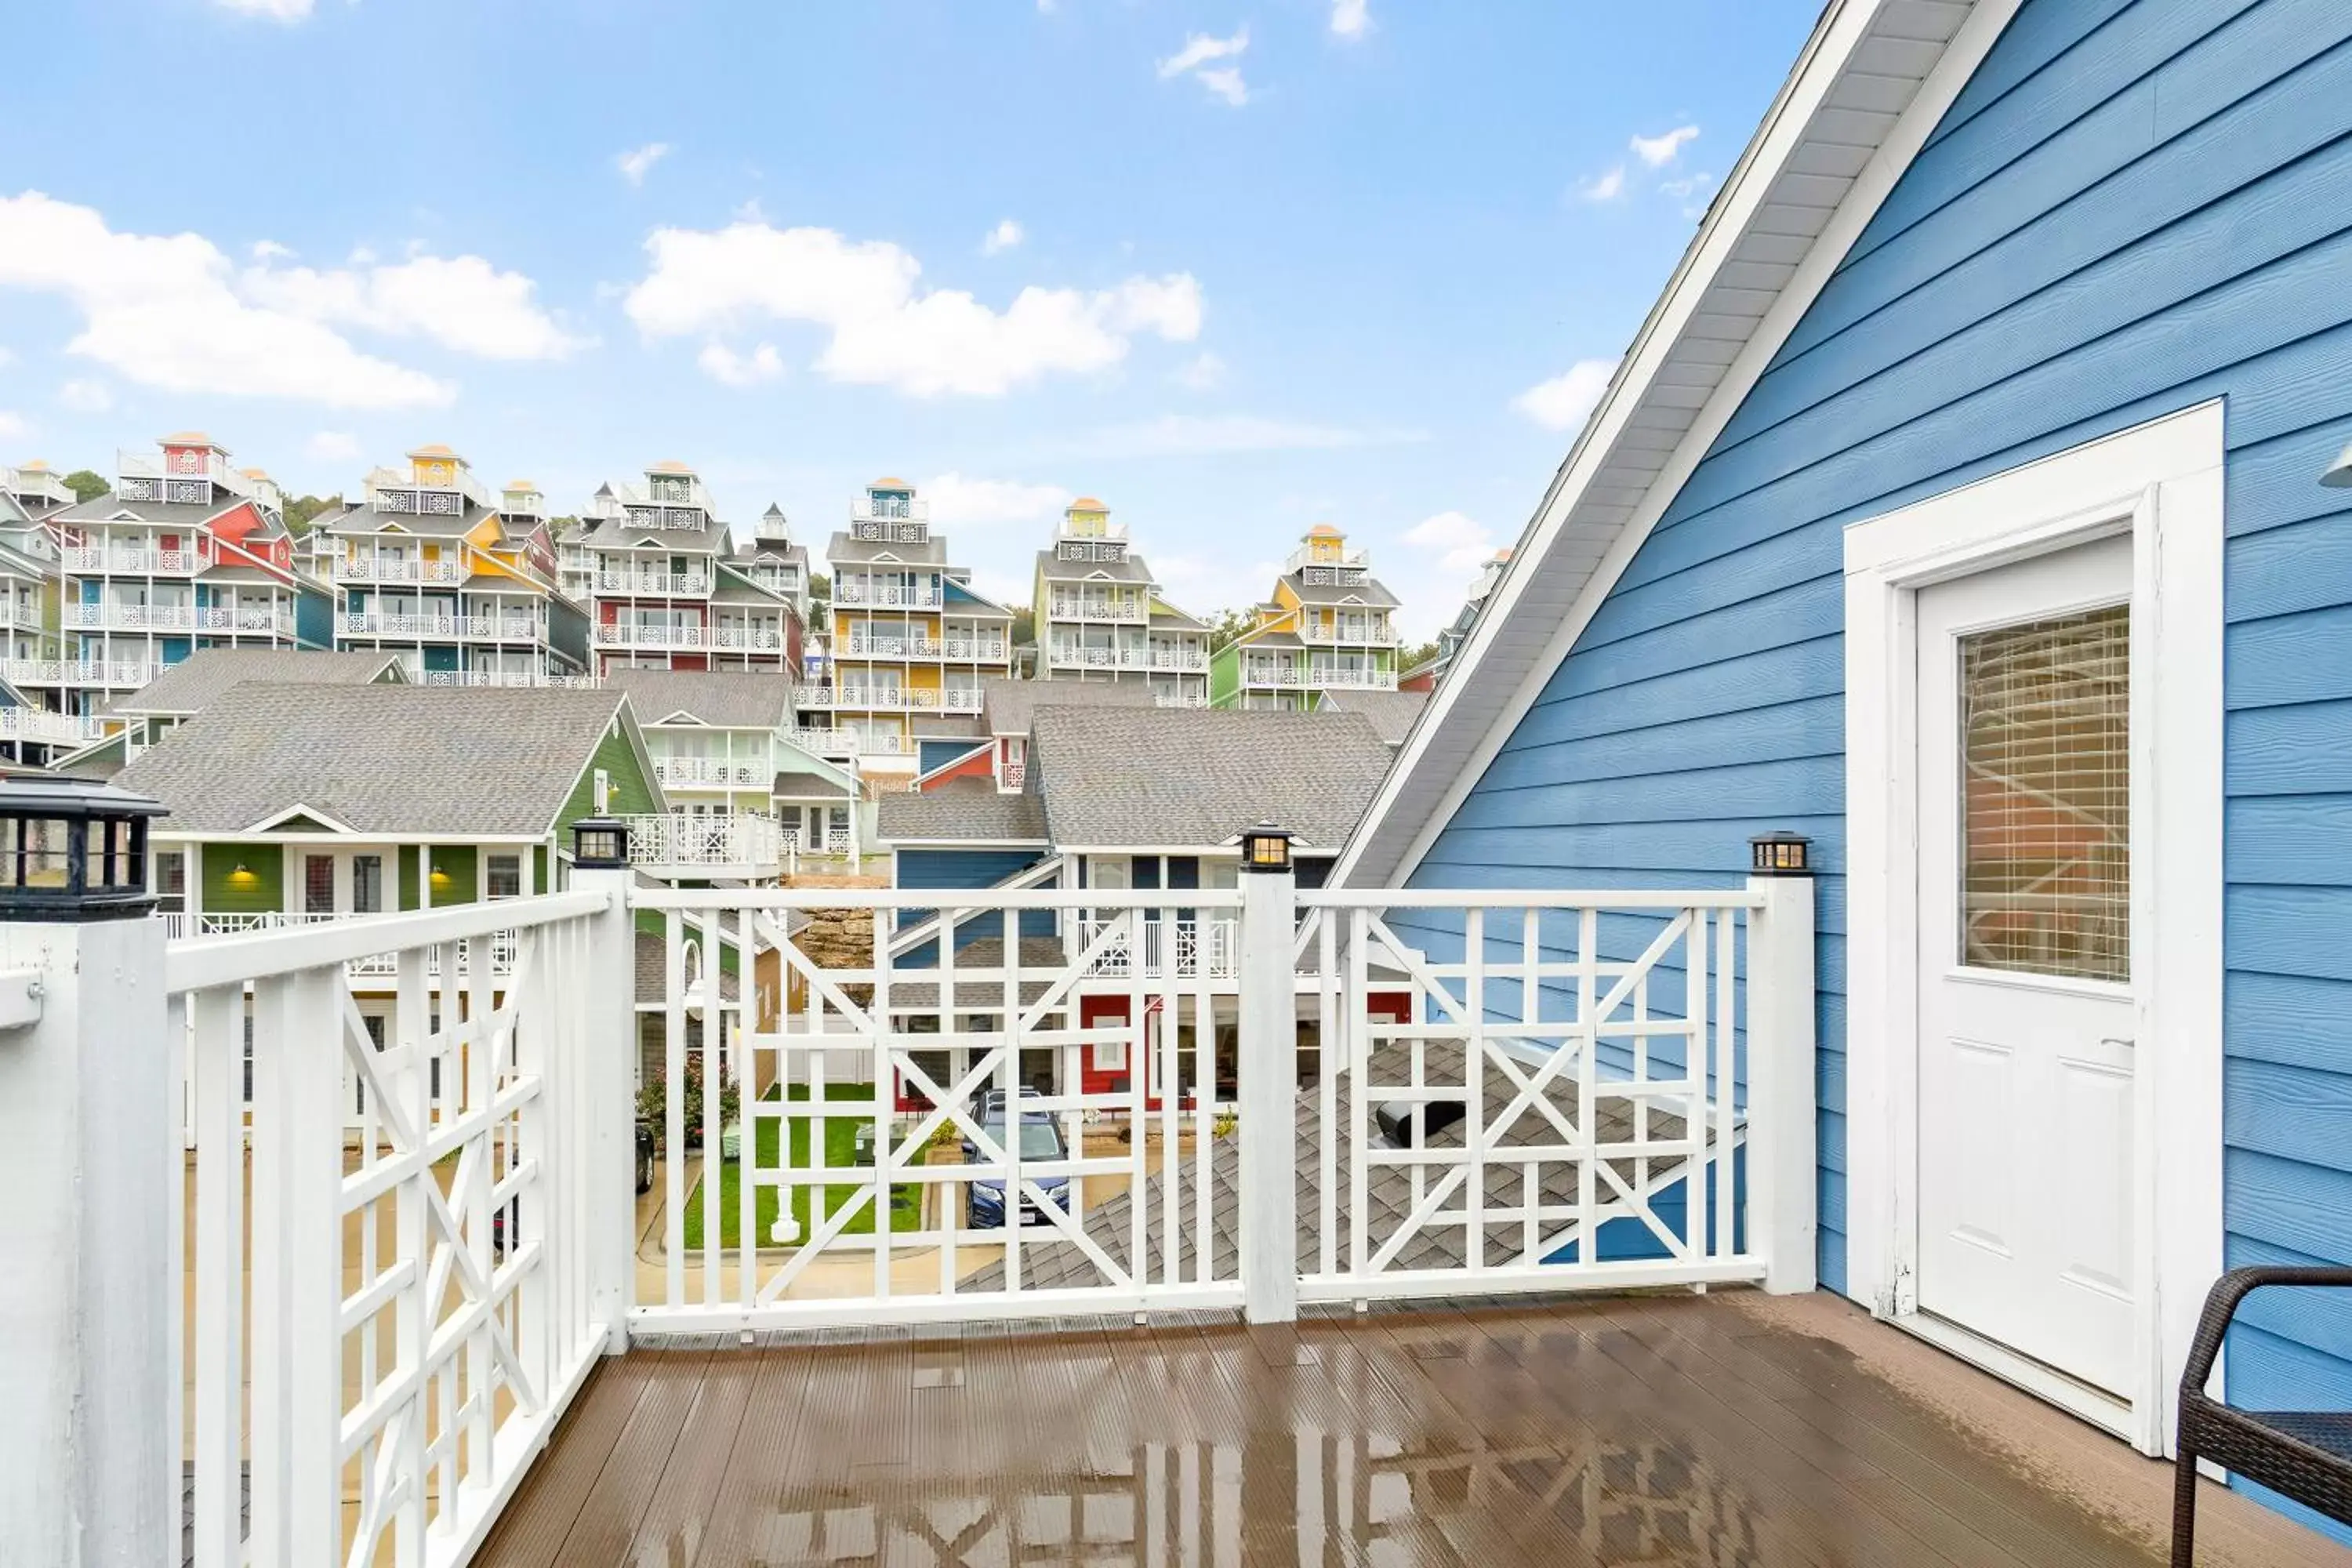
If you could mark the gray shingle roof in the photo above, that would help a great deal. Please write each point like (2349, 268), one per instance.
(944, 814)
(1007, 704)
(99, 509)
(932, 552)
(378, 759)
(1048, 1263)
(1369, 592)
(1195, 776)
(1392, 712)
(653, 972)
(1057, 570)
(362, 521)
(191, 685)
(1166, 616)
(737, 701)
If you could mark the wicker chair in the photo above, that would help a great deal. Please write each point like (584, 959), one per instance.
(2302, 1453)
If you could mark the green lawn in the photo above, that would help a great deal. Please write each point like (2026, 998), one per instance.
(840, 1134)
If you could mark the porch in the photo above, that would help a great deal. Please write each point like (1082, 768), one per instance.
(1732, 1428)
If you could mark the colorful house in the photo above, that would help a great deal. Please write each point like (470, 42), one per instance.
(1330, 627)
(30, 578)
(1099, 616)
(1960, 505)
(1425, 676)
(910, 639)
(667, 588)
(459, 583)
(183, 552)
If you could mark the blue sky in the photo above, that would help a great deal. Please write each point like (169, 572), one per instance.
(1235, 267)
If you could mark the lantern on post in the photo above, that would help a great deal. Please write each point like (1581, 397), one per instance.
(1780, 854)
(600, 844)
(1266, 847)
(73, 849)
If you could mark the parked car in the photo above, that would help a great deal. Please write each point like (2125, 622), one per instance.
(1040, 1140)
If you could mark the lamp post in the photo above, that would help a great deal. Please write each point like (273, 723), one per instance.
(600, 863)
(1269, 1078)
(1782, 1221)
(600, 844)
(90, 1157)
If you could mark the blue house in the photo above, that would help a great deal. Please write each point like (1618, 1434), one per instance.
(1959, 505)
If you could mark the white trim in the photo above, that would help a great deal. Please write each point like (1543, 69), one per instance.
(2161, 483)
(277, 818)
(1782, 135)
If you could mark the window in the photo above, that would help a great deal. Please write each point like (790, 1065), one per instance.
(319, 884)
(172, 880)
(367, 884)
(506, 876)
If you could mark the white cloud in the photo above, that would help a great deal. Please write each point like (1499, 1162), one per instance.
(86, 396)
(1202, 373)
(334, 447)
(1003, 237)
(166, 311)
(1605, 187)
(270, 250)
(7, 357)
(1564, 402)
(1657, 152)
(1461, 544)
(12, 425)
(1348, 18)
(1688, 185)
(636, 164)
(1197, 58)
(722, 364)
(883, 330)
(275, 10)
(958, 501)
(461, 302)
(1195, 434)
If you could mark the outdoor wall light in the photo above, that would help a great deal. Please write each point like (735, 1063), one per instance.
(600, 844)
(1782, 853)
(73, 849)
(1266, 847)
(2338, 476)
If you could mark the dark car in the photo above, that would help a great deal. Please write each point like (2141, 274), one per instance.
(1040, 1140)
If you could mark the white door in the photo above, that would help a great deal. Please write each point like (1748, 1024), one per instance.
(2025, 1134)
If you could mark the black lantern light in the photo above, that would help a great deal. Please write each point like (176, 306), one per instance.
(1266, 847)
(1782, 853)
(73, 849)
(600, 844)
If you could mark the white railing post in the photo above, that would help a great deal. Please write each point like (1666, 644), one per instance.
(608, 1054)
(1782, 1180)
(1269, 1081)
(90, 1159)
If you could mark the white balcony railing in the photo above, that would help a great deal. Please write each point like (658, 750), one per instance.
(1136, 610)
(890, 699)
(691, 584)
(648, 634)
(737, 843)
(1345, 679)
(710, 772)
(855, 591)
(1077, 655)
(1180, 699)
(1310, 556)
(92, 560)
(762, 639)
(1198, 948)
(1373, 634)
(41, 727)
(484, 628)
(75, 672)
(365, 568)
(864, 644)
(562, 680)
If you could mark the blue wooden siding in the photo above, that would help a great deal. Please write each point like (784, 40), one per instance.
(966, 870)
(2135, 207)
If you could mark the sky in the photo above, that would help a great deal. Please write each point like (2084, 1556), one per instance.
(1235, 267)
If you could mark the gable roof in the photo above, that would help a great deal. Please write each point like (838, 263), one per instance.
(379, 759)
(1007, 702)
(730, 701)
(1196, 777)
(960, 816)
(1867, 90)
(192, 684)
(1392, 712)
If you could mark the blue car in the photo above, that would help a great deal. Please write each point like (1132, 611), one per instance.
(1040, 1140)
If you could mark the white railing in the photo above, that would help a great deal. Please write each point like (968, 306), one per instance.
(41, 727)
(709, 770)
(740, 842)
(1310, 556)
(101, 559)
(908, 1233)
(979, 649)
(137, 618)
(1197, 948)
(625, 634)
(894, 521)
(694, 583)
(504, 677)
(1272, 675)
(765, 638)
(361, 568)
(487, 628)
(823, 741)
(1180, 699)
(182, 927)
(1359, 632)
(1099, 610)
(72, 672)
(380, 1351)
(868, 645)
(231, 619)
(853, 590)
(1077, 655)
(1015, 776)
(1335, 576)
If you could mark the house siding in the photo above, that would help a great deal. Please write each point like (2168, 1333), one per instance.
(965, 870)
(630, 792)
(2131, 209)
(223, 892)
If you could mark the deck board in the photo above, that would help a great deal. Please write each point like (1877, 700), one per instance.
(1657, 1429)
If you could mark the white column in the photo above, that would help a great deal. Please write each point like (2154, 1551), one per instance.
(1269, 1090)
(1781, 1178)
(91, 1160)
(610, 1050)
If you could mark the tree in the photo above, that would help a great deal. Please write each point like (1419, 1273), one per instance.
(301, 509)
(1227, 625)
(1024, 624)
(1415, 657)
(85, 485)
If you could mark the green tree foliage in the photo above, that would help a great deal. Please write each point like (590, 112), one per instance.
(1413, 657)
(85, 485)
(301, 509)
(1024, 624)
(1227, 625)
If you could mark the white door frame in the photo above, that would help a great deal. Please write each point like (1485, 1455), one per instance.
(2160, 483)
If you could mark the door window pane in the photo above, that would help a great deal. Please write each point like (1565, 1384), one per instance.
(506, 876)
(319, 884)
(2045, 830)
(367, 884)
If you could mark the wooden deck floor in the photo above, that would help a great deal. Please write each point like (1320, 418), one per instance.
(1654, 1430)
